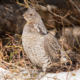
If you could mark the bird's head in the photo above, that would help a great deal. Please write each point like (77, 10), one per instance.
(31, 16)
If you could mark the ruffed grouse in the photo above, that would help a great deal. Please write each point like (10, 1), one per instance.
(40, 45)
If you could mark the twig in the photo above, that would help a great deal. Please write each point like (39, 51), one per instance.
(12, 64)
(68, 13)
(75, 5)
(11, 38)
(22, 4)
(61, 17)
(74, 18)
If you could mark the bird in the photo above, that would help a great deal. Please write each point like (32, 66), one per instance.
(41, 47)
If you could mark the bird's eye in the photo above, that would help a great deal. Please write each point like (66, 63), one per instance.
(30, 14)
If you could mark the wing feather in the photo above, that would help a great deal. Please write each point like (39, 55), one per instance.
(52, 48)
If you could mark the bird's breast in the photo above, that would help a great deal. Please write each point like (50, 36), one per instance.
(34, 48)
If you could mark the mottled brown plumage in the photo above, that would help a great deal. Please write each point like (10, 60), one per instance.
(40, 45)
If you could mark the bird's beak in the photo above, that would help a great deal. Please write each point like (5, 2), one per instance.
(23, 15)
